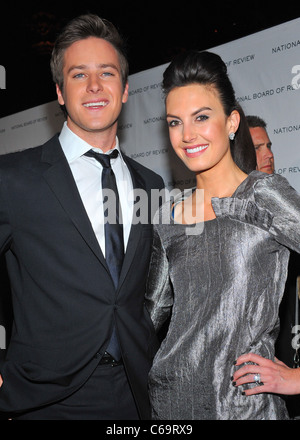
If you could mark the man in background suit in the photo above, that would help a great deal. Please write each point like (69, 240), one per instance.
(67, 305)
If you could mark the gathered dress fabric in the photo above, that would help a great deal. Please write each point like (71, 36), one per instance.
(221, 285)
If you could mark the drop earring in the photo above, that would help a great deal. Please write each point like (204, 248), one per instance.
(231, 136)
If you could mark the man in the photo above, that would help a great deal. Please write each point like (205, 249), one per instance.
(68, 305)
(262, 144)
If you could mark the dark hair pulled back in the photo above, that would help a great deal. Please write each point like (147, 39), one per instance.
(207, 68)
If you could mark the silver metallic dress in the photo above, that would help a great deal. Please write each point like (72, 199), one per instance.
(222, 287)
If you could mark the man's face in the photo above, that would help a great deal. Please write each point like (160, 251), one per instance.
(93, 92)
(262, 145)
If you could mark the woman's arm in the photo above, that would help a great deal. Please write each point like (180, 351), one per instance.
(159, 294)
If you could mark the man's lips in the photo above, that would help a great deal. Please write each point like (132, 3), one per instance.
(195, 150)
(95, 104)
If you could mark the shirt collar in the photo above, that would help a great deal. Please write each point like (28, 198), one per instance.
(74, 147)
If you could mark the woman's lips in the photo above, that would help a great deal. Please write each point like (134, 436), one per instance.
(195, 150)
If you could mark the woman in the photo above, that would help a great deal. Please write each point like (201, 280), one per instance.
(222, 286)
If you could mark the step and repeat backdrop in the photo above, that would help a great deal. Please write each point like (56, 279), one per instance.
(265, 71)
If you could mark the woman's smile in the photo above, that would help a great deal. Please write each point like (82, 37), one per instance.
(195, 150)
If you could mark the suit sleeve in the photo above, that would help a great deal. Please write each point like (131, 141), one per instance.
(159, 294)
(282, 201)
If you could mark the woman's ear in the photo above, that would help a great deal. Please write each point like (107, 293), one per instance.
(233, 121)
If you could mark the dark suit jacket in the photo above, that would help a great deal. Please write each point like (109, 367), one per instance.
(64, 301)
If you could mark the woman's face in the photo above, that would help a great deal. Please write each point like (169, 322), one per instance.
(198, 127)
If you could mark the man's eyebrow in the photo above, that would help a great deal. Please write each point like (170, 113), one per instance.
(269, 144)
(99, 66)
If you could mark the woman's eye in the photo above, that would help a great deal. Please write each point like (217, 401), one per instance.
(202, 118)
(173, 123)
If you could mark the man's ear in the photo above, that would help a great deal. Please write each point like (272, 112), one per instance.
(125, 93)
(59, 95)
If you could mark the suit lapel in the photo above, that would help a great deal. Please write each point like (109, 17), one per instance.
(60, 179)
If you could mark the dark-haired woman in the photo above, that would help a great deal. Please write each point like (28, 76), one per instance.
(222, 279)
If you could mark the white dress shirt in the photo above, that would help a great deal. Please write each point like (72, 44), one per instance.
(87, 173)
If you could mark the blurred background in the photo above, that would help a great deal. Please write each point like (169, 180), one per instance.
(154, 32)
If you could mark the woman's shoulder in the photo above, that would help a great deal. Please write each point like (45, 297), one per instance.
(257, 199)
(262, 182)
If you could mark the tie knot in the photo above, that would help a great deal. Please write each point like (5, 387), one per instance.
(104, 159)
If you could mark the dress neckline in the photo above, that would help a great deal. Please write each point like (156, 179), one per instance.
(189, 191)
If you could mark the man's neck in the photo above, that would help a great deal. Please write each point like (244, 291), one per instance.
(104, 140)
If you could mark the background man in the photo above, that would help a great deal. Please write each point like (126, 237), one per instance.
(262, 144)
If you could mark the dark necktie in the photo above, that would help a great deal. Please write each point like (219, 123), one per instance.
(114, 244)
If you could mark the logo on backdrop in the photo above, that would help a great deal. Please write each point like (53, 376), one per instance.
(2, 77)
(285, 46)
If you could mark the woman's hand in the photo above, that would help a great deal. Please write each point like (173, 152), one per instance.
(275, 377)
(1, 381)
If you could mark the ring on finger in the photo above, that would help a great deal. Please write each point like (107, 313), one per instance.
(257, 379)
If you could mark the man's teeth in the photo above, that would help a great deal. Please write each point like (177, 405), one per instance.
(95, 104)
(196, 149)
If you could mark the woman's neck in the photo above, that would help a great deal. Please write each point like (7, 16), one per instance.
(220, 182)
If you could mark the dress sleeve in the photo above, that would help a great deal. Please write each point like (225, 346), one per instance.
(275, 195)
(159, 293)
